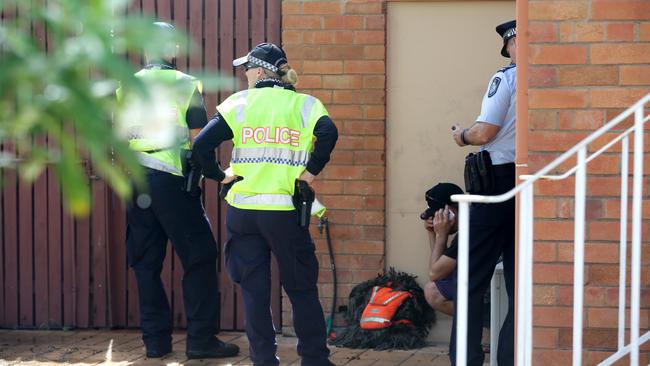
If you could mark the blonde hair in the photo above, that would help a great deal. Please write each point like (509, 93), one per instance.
(289, 75)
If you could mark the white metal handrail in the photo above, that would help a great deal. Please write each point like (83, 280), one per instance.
(525, 255)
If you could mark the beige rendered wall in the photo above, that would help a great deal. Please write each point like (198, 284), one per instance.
(440, 57)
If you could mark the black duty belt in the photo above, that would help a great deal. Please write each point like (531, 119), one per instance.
(504, 170)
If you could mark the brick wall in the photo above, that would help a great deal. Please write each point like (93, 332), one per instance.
(338, 49)
(589, 60)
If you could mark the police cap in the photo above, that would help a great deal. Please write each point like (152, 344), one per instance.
(166, 44)
(266, 55)
(439, 196)
(507, 31)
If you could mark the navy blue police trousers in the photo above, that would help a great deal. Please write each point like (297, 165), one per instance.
(491, 234)
(174, 215)
(252, 236)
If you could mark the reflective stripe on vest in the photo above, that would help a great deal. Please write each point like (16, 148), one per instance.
(374, 319)
(398, 294)
(237, 103)
(305, 111)
(276, 155)
(182, 138)
(280, 201)
(317, 208)
(374, 293)
(241, 107)
(151, 162)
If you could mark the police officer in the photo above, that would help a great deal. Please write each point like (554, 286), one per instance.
(172, 116)
(491, 232)
(273, 129)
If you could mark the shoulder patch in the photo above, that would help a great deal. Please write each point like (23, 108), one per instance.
(504, 69)
(494, 86)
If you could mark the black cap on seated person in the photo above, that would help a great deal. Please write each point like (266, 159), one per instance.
(439, 196)
(266, 55)
(507, 31)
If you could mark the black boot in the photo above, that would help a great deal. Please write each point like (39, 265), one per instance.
(158, 351)
(214, 348)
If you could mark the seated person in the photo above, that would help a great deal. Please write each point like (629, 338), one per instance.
(440, 221)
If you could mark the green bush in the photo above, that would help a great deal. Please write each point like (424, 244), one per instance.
(60, 88)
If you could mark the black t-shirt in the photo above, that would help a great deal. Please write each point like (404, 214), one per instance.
(196, 117)
(452, 251)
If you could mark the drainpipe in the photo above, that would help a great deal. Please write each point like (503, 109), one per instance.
(522, 87)
(521, 160)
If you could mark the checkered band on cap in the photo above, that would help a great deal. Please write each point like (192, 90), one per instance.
(512, 32)
(262, 63)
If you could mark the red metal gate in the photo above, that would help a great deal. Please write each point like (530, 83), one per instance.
(56, 271)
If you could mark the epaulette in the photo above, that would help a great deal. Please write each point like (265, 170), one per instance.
(507, 68)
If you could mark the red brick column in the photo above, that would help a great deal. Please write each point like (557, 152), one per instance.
(588, 62)
(338, 49)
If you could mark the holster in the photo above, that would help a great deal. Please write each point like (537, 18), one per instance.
(303, 197)
(191, 174)
(479, 173)
(225, 188)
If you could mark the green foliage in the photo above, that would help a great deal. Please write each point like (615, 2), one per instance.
(62, 61)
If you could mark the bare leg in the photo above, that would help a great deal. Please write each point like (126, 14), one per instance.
(437, 301)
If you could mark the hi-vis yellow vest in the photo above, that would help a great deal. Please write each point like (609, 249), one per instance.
(273, 137)
(156, 127)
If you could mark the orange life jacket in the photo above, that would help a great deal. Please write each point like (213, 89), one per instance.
(381, 307)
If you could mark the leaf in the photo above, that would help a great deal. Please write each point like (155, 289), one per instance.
(73, 181)
(68, 92)
(31, 168)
